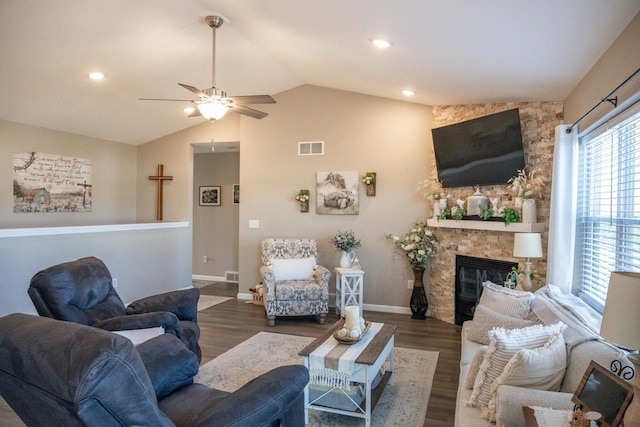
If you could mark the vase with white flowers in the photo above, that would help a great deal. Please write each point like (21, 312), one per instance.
(303, 198)
(432, 190)
(418, 245)
(369, 179)
(526, 186)
(347, 242)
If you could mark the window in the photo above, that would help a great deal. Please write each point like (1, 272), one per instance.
(608, 207)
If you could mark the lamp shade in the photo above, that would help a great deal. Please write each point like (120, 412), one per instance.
(527, 245)
(621, 317)
(213, 110)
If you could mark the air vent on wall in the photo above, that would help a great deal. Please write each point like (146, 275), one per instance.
(232, 276)
(311, 148)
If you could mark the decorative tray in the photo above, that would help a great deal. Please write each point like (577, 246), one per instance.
(349, 341)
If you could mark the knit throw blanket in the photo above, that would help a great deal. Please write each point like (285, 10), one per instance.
(332, 364)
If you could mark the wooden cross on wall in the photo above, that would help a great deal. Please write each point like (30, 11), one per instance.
(160, 179)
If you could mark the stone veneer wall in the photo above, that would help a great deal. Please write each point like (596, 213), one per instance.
(538, 121)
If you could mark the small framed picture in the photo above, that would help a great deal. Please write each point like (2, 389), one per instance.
(210, 196)
(236, 194)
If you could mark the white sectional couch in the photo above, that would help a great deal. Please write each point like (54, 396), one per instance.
(547, 306)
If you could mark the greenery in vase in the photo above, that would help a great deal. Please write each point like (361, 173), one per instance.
(302, 196)
(368, 179)
(458, 213)
(444, 214)
(418, 244)
(431, 189)
(510, 215)
(485, 213)
(346, 241)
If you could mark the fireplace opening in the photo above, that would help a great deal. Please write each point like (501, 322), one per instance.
(470, 273)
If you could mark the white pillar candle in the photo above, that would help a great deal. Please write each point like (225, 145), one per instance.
(352, 316)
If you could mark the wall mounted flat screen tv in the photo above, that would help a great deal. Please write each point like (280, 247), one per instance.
(483, 151)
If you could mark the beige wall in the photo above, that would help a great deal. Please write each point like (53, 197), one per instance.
(113, 176)
(620, 61)
(361, 133)
(216, 227)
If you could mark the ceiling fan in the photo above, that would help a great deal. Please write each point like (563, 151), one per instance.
(214, 103)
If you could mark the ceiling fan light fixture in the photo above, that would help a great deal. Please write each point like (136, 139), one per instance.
(213, 110)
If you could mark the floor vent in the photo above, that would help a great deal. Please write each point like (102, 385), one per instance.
(232, 276)
(311, 148)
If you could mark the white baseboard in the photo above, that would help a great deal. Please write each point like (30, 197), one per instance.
(370, 307)
(208, 278)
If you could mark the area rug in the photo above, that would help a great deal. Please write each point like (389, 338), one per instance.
(402, 404)
(207, 301)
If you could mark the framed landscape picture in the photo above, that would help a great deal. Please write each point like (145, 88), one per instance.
(337, 193)
(209, 196)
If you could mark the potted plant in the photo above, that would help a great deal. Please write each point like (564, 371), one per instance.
(346, 241)
(433, 190)
(510, 215)
(418, 245)
(526, 186)
(303, 198)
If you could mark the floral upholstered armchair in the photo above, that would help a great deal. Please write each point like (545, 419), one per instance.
(295, 284)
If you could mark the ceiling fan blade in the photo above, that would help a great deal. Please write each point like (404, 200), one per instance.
(196, 113)
(193, 89)
(248, 111)
(164, 99)
(252, 99)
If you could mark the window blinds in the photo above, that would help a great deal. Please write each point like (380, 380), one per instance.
(608, 211)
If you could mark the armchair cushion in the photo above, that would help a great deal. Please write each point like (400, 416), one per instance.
(298, 290)
(183, 303)
(169, 363)
(293, 269)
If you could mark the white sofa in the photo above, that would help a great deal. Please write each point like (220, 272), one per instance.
(548, 306)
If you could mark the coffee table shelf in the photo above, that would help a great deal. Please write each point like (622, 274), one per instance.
(367, 365)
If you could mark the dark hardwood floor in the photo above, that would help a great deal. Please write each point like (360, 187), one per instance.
(228, 324)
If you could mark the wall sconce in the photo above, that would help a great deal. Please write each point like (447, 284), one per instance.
(369, 179)
(303, 198)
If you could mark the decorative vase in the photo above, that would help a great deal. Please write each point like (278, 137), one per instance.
(418, 302)
(436, 208)
(517, 202)
(346, 260)
(443, 203)
(529, 211)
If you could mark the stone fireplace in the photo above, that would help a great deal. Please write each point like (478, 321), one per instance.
(470, 273)
(538, 120)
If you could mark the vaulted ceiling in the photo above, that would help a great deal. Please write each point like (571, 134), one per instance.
(448, 52)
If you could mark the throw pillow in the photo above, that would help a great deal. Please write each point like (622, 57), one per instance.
(474, 367)
(293, 269)
(503, 345)
(485, 319)
(506, 301)
(541, 368)
(138, 336)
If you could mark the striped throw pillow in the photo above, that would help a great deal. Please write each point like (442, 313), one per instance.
(503, 345)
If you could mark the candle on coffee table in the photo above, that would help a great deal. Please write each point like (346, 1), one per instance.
(352, 317)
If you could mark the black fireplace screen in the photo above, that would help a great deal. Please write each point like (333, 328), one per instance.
(470, 273)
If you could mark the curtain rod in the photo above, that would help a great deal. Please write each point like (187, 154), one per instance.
(607, 98)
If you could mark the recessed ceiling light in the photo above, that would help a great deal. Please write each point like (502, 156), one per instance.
(408, 92)
(381, 43)
(96, 75)
(189, 110)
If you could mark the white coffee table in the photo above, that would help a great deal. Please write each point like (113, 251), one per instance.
(367, 366)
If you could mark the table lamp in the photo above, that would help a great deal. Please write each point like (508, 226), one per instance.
(621, 326)
(527, 245)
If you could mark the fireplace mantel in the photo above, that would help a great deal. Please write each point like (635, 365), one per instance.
(514, 227)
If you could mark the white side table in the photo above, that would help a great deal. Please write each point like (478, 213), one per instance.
(349, 290)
